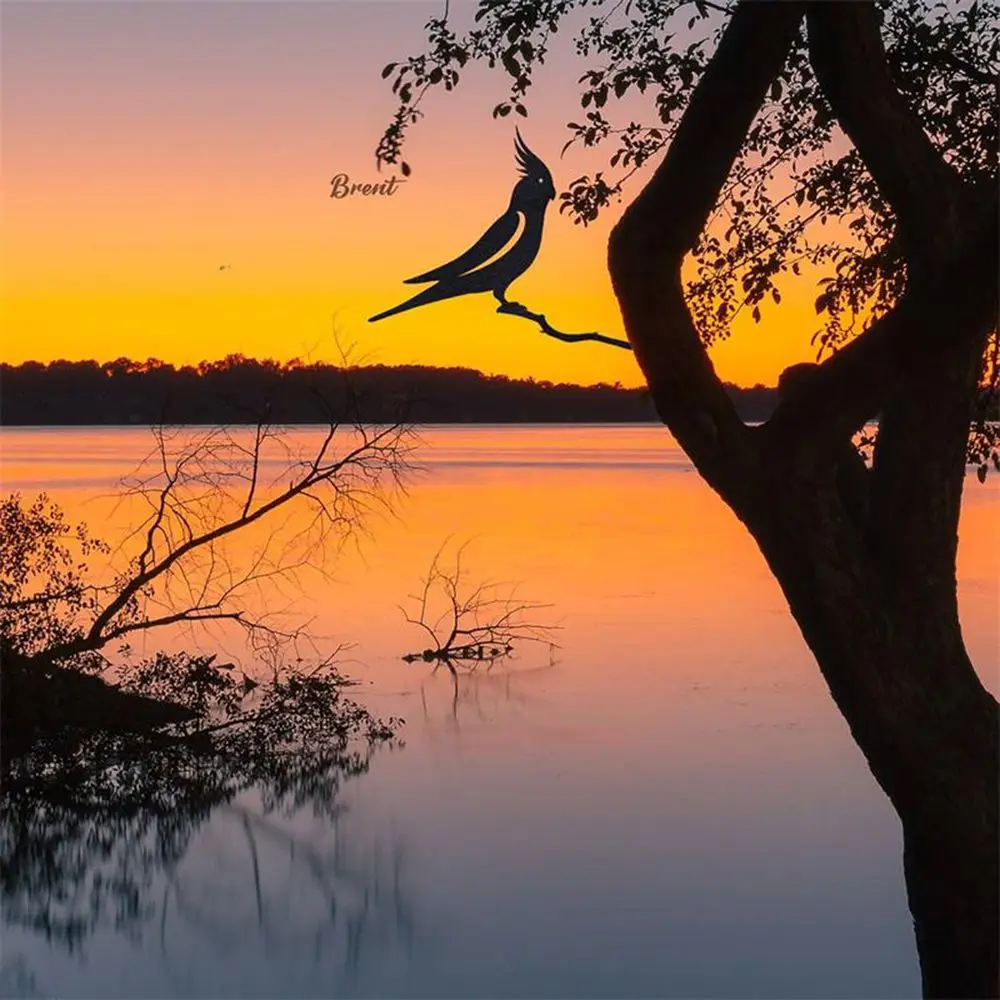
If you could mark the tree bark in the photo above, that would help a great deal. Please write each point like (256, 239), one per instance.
(865, 558)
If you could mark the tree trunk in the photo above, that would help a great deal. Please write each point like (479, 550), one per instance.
(865, 558)
(927, 727)
(951, 882)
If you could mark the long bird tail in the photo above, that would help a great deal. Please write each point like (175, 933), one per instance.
(434, 294)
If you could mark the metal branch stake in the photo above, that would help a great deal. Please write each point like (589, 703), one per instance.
(509, 308)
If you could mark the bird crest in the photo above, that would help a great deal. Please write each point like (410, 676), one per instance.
(528, 164)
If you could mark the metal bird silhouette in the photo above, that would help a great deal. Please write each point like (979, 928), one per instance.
(503, 253)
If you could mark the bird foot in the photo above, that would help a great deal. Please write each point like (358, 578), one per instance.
(515, 309)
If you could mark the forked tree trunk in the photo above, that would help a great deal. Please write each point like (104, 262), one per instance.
(865, 558)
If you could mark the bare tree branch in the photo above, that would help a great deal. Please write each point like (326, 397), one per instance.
(208, 486)
(484, 622)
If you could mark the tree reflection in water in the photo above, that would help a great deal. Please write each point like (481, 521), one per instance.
(479, 693)
(245, 841)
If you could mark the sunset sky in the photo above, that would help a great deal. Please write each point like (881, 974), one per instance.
(146, 144)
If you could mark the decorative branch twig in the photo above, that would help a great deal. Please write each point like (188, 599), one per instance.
(509, 308)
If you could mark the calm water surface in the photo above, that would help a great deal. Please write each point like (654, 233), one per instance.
(668, 807)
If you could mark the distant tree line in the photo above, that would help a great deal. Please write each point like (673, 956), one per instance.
(243, 390)
(237, 389)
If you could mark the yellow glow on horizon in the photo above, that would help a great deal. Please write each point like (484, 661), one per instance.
(203, 325)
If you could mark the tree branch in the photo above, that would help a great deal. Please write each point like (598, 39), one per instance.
(488, 622)
(316, 473)
(353, 477)
(648, 245)
(949, 230)
(509, 308)
(927, 327)
(846, 52)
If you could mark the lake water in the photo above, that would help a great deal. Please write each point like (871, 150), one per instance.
(668, 805)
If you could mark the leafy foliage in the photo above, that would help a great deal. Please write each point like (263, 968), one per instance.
(47, 593)
(293, 706)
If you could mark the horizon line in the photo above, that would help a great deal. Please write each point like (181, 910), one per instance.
(293, 363)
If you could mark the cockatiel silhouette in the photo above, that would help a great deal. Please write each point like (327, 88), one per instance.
(480, 269)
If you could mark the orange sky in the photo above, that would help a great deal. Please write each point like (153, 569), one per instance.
(145, 145)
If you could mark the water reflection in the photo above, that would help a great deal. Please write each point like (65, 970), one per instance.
(203, 859)
(485, 693)
(675, 809)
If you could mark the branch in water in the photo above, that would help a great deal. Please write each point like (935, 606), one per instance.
(509, 308)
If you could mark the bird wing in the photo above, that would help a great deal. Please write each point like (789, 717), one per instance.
(495, 239)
